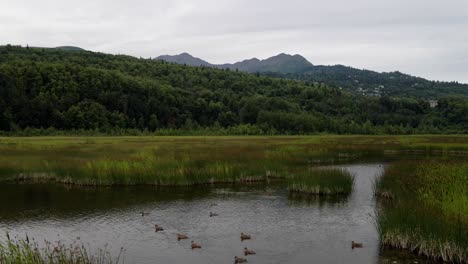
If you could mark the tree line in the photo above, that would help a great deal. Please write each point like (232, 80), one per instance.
(81, 90)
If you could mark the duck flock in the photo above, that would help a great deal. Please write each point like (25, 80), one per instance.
(243, 237)
(195, 245)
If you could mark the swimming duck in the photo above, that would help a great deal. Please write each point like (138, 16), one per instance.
(248, 251)
(158, 228)
(244, 236)
(355, 245)
(181, 236)
(144, 213)
(195, 245)
(213, 214)
(239, 260)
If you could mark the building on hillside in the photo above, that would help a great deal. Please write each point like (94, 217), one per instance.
(433, 103)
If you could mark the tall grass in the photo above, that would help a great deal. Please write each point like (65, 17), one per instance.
(321, 182)
(429, 210)
(185, 160)
(159, 161)
(27, 252)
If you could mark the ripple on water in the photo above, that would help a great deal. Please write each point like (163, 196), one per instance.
(284, 229)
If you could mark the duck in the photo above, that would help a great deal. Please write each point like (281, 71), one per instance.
(144, 213)
(355, 245)
(213, 214)
(249, 251)
(244, 236)
(213, 204)
(195, 245)
(158, 228)
(181, 236)
(239, 260)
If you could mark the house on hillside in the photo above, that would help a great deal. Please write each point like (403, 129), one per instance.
(433, 103)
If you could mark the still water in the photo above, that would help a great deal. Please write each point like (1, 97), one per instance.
(284, 229)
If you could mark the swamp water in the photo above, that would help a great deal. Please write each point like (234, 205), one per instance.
(284, 229)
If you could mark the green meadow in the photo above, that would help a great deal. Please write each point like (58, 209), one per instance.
(155, 160)
(195, 160)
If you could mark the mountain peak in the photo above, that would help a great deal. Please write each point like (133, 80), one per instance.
(282, 63)
(69, 48)
(184, 58)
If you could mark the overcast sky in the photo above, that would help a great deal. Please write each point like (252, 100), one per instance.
(427, 38)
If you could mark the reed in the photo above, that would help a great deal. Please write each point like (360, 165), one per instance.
(321, 182)
(189, 160)
(428, 214)
(25, 251)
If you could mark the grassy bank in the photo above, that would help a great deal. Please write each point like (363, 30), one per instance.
(156, 160)
(29, 252)
(425, 209)
(192, 160)
(321, 182)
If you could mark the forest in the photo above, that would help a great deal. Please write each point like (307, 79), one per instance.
(75, 90)
(371, 83)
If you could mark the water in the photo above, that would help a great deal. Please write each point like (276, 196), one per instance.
(284, 229)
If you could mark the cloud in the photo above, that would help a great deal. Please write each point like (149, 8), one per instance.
(422, 37)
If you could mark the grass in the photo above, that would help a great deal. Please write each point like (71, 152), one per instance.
(321, 182)
(428, 212)
(156, 161)
(192, 160)
(26, 252)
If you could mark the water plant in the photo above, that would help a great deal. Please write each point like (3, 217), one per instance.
(321, 182)
(24, 251)
(428, 214)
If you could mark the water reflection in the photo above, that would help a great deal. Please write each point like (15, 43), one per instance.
(284, 228)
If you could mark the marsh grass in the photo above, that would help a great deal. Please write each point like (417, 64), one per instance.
(157, 161)
(24, 251)
(187, 160)
(321, 182)
(428, 214)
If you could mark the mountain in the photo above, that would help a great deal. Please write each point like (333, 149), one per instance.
(184, 58)
(357, 81)
(282, 63)
(69, 48)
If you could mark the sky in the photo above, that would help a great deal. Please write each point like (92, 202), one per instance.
(427, 38)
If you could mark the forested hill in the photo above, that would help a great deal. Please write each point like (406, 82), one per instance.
(370, 83)
(357, 81)
(70, 90)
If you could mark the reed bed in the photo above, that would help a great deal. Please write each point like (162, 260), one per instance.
(188, 160)
(23, 251)
(158, 161)
(428, 214)
(321, 182)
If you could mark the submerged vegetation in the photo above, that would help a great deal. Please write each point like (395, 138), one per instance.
(24, 251)
(428, 210)
(321, 182)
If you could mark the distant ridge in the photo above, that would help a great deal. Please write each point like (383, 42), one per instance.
(184, 58)
(70, 48)
(282, 63)
(357, 81)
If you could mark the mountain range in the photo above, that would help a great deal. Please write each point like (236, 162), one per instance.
(357, 81)
(282, 63)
